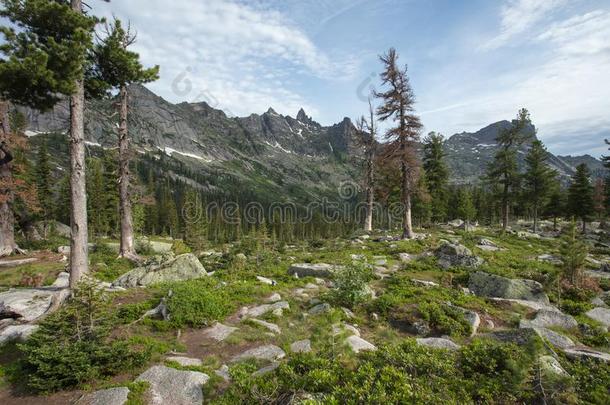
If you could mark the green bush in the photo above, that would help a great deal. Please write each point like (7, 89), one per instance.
(197, 303)
(351, 286)
(73, 346)
(444, 319)
(591, 379)
(494, 370)
(574, 307)
(180, 248)
(485, 372)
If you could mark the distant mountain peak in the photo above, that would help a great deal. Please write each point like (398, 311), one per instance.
(272, 111)
(302, 116)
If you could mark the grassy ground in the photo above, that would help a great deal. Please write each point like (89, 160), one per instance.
(383, 321)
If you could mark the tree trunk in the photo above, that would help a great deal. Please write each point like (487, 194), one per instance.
(127, 248)
(407, 227)
(505, 208)
(7, 218)
(368, 222)
(78, 202)
(584, 226)
(535, 218)
(555, 224)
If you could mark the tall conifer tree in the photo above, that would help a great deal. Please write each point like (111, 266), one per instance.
(580, 196)
(118, 67)
(437, 175)
(398, 103)
(538, 178)
(504, 169)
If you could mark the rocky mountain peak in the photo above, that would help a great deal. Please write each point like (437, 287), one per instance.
(302, 117)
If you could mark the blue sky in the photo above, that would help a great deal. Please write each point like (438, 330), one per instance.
(471, 62)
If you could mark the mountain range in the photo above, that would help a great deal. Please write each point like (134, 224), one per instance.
(275, 157)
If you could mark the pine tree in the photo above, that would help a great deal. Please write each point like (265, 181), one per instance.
(421, 201)
(538, 179)
(95, 194)
(43, 181)
(437, 175)
(556, 205)
(580, 195)
(43, 59)
(194, 220)
(465, 207)
(398, 106)
(573, 254)
(117, 67)
(62, 201)
(504, 169)
(599, 199)
(606, 160)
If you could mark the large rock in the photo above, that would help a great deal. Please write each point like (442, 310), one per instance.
(110, 396)
(551, 367)
(301, 346)
(16, 333)
(322, 270)
(547, 319)
(437, 343)
(26, 304)
(491, 285)
(454, 255)
(15, 263)
(219, 332)
(556, 339)
(176, 387)
(160, 247)
(49, 228)
(267, 352)
(537, 306)
(601, 315)
(585, 353)
(456, 223)
(264, 308)
(181, 268)
(186, 361)
(357, 344)
(271, 327)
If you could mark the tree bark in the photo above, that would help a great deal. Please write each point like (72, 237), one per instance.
(535, 218)
(505, 208)
(407, 227)
(7, 218)
(127, 248)
(78, 202)
(368, 222)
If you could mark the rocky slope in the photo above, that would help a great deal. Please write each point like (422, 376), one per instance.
(271, 154)
(469, 154)
(295, 159)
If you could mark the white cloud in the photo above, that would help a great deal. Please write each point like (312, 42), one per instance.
(566, 89)
(235, 57)
(586, 34)
(518, 16)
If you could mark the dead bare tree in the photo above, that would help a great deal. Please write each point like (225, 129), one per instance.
(366, 131)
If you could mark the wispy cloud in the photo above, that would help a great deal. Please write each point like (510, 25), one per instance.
(518, 16)
(238, 58)
(565, 87)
